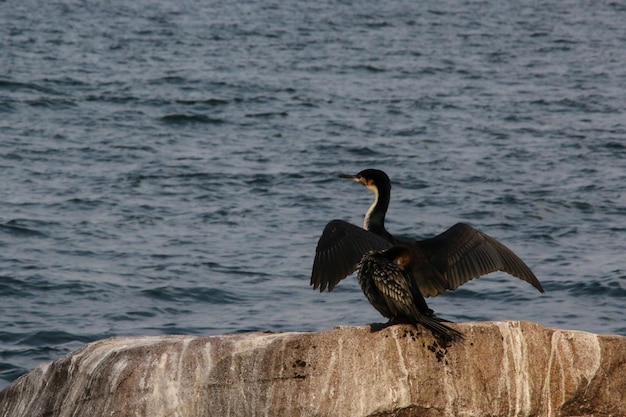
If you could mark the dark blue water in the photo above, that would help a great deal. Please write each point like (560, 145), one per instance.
(167, 167)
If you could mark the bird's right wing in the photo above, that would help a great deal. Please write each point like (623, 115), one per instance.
(462, 253)
(339, 250)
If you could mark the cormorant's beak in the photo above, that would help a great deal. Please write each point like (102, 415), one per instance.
(356, 178)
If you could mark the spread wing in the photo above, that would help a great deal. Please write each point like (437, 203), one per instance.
(339, 250)
(460, 254)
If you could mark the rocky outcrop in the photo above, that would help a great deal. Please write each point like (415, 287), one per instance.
(500, 369)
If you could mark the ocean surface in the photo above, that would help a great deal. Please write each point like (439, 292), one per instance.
(167, 167)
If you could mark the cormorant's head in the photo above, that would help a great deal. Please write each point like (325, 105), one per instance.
(374, 179)
(377, 182)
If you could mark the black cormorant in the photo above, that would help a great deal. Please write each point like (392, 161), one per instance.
(437, 264)
(386, 280)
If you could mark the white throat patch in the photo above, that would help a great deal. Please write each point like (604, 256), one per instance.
(366, 220)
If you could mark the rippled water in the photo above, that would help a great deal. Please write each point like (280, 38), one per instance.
(167, 167)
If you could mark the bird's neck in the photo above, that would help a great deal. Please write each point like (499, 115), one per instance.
(375, 217)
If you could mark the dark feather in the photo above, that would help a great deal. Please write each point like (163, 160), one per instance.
(396, 275)
(388, 285)
(339, 250)
(461, 254)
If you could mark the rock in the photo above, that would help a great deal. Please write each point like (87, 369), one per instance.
(502, 368)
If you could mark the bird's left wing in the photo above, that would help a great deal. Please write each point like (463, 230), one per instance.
(339, 250)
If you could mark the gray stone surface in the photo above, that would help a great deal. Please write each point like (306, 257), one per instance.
(501, 369)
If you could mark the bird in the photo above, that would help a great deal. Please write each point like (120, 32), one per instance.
(386, 280)
(435, 265)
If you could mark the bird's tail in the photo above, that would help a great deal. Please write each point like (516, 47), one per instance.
(435, 325)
